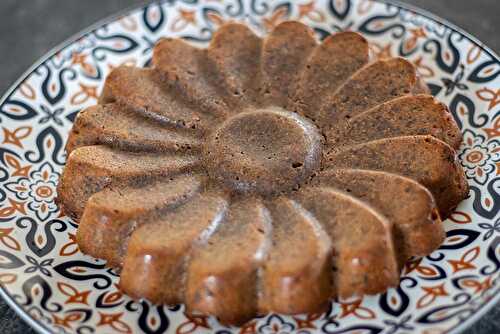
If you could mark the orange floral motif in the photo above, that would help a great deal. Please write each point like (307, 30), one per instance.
(308, 10)
(249, 328)
(37, 190)
(460, 217)
(185, 18)
(14, 207)
(278, 16)
(489, 69)
(355, 308)
(426, 271)
(419, 268)
(215, 18)
(16, 136)
(69, 248)
(7, 240)
(489, 95)
(27, 91)
(192, 323)
(473, 54)
(81, 59)
(113, 297)
(479, 156)
(476, 285)
(85, 93)
(494, 131)
(411, 265)
(465, 261)
(423, 70)
(78, 58)
(114, 321)
(447, 55)
(74, 296)
(19, 170)
(381, 51)
(416, 34)
(8, 278)
(67, 319)
(431, 293)
(308, 321)
(13, 110)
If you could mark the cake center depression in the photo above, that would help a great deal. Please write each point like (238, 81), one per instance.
(265, 151)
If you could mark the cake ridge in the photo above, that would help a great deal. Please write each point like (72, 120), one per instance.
(239, 65)
(123, 209)
(127, 130)
(316, 53)
(149, 92)
(330, 118)
(294, 280)
(431, 149)
(407, 211)
(181, 67)
(295, 45)
(232, 276)
(149, 255)
(93, 168)
(441, 126)
(369, 219)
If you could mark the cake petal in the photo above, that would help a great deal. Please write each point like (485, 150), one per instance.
(407, 115)
(112, 214)
(235, 52)
(363, 255)
(193, 75)
(121, 127)
(330, 65)
(284, 54)
(425, 159)
(149, 92)
(297, 276)
(90, 169)
(376, 83)
(222, 274)
(408, 205)
(158, 253)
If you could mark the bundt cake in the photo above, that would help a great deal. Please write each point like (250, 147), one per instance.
(261, 175)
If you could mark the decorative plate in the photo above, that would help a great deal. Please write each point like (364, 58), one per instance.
(57, 289)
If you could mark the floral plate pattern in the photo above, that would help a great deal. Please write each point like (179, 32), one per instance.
(57, 289)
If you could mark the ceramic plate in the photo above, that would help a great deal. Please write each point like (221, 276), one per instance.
(57, 289)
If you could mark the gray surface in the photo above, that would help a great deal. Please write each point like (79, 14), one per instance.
(28, 29)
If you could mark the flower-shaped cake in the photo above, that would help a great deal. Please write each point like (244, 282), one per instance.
(261, 175)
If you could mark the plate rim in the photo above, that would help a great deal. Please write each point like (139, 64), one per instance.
(36, 324)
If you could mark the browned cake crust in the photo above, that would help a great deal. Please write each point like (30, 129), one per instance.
(262, 174)
(123, 128)
(112, 214)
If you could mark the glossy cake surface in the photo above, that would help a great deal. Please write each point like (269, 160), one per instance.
(262, 175)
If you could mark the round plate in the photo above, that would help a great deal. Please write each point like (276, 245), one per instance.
(57, 289)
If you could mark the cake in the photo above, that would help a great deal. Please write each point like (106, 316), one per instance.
(261, 174)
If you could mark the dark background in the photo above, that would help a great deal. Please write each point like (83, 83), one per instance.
(29, 29)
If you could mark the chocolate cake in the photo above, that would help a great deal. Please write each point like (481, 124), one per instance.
(262, 174)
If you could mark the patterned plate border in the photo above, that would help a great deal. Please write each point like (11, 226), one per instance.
(40, 327)
(495, 300)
